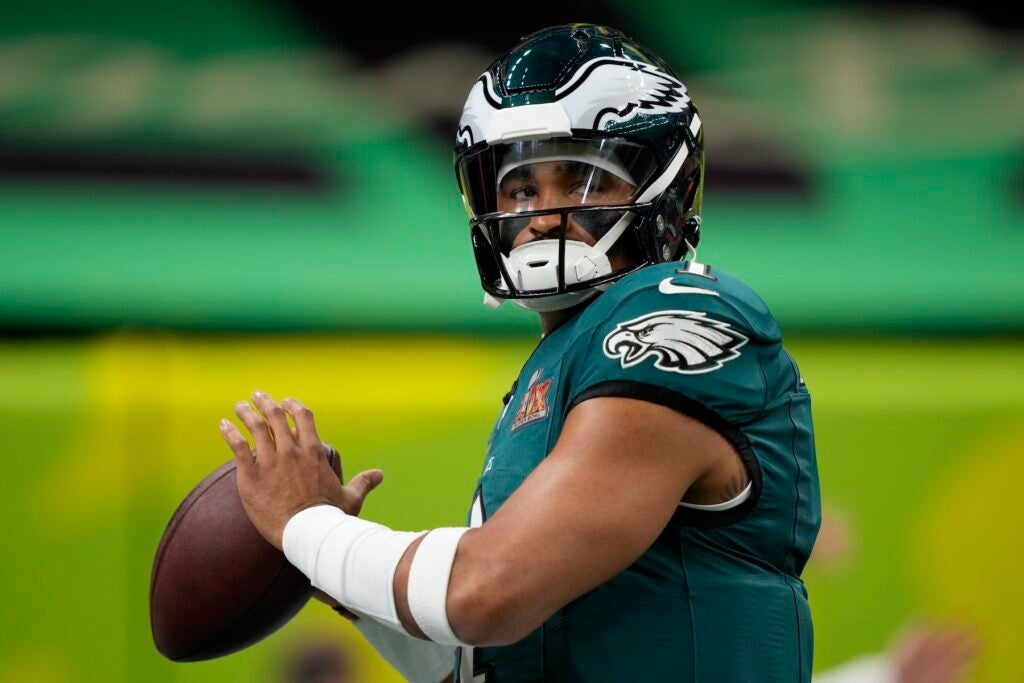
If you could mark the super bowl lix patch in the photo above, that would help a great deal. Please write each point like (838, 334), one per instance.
(534, 404)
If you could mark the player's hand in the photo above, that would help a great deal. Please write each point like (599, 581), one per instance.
(288, 470)
(934, 654)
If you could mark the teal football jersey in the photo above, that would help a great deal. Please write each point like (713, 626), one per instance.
(718, 597)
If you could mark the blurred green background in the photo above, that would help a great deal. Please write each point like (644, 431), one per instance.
(200, 199)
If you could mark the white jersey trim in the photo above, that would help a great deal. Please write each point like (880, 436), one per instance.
(727, 505)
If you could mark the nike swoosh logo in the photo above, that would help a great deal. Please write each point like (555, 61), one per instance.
(668, 287)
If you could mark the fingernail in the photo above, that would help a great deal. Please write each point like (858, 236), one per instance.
(224, 424)
(243, 405)
(259, 394)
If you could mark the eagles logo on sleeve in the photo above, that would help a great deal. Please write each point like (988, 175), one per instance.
(687, 342)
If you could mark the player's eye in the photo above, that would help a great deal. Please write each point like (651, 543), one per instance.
(591, 188)
(523, 193)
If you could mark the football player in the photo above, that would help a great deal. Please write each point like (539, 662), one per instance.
(649, 495)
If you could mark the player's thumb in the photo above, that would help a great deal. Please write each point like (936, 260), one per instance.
(364, 482)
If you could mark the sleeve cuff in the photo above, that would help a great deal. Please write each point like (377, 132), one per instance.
(305, 533)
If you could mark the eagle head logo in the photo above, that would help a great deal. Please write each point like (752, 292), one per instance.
(687, 342)
(602, 93)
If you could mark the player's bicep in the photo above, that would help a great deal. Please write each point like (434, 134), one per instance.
(595, 504)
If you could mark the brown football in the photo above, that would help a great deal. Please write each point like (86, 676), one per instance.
(217, 586)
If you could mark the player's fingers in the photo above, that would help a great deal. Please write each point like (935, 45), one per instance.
(266, 451)
(277, 419)
(364, 482)
(304, 423)
(239, 444)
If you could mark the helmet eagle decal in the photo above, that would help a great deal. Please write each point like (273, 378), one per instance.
(602, 92)
(687, 342)
(615, 90)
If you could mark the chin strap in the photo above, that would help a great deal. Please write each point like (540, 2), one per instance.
(600, 249)
(691, 251)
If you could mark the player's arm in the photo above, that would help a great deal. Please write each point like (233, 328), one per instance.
(418, 661)
(588, 511)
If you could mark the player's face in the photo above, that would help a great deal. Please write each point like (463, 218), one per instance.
(559, 184)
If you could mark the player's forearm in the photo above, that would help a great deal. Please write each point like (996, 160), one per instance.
(481, 606)
(401, 589)
(405, 580)
(356, 562)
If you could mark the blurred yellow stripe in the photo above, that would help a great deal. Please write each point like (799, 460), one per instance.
(151, 403)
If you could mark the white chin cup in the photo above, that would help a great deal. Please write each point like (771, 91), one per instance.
(534, 266)
(557, 302)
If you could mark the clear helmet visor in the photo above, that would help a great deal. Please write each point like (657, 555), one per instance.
(551, 217)
(531, 175)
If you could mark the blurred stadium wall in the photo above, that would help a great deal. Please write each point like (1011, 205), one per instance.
(198, 199)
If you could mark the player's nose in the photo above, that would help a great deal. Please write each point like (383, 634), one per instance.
(546, 226)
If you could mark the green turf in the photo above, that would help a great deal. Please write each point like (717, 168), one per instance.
(102, 438)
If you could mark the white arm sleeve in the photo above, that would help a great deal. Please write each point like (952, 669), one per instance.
(350, 559)
(866, 669)
(419, 661)
(429, 575)
(354, 561)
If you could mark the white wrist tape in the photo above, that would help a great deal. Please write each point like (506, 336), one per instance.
(428, 583)
(350, 559)
(419, 661)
